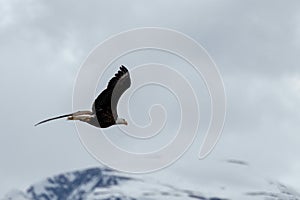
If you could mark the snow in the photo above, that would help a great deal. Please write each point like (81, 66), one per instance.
(105, 184)
(16, 195)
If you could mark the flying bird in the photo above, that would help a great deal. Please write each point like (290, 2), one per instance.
(104, 109)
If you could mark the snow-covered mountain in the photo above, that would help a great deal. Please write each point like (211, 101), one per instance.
(106, 184)
(101, 184)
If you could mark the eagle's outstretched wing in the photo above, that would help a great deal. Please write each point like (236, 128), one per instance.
(107, 101)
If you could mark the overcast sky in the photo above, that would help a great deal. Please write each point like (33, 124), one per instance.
(255, 44)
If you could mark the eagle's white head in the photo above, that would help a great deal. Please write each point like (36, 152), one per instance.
(121, 121)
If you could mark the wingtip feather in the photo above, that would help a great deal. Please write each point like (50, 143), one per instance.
(123, 68)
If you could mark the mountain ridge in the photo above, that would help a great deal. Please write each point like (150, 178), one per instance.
(101, 184)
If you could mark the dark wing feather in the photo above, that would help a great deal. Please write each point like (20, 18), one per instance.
(107, 101)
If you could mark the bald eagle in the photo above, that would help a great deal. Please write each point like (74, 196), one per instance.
(104, 110)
